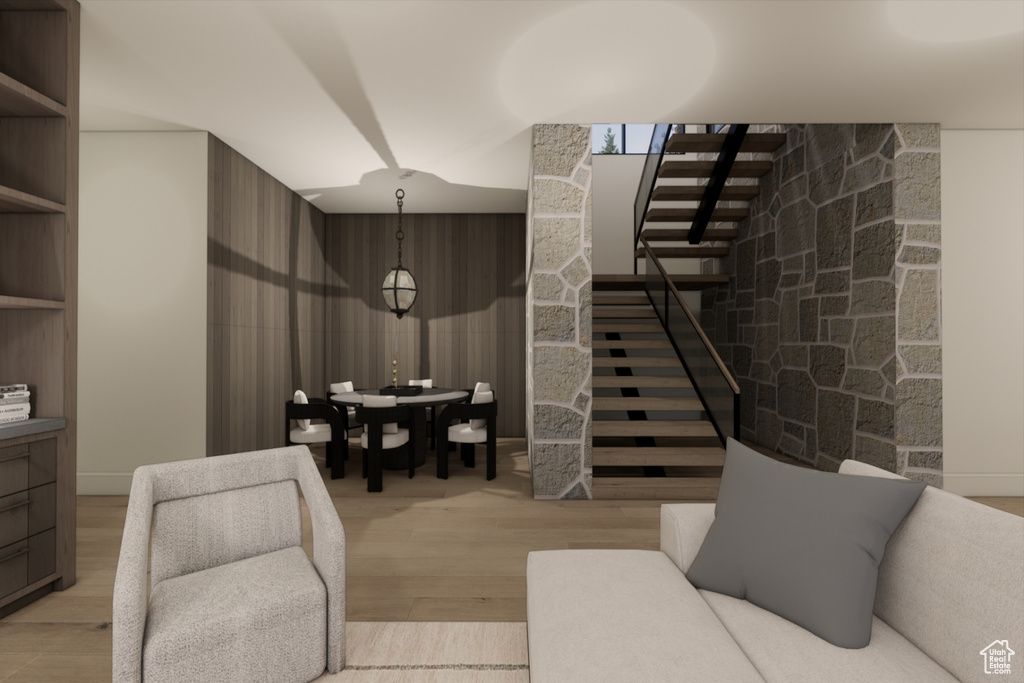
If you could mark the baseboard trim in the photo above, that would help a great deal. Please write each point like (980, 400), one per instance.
(981, 485)
(104, 483)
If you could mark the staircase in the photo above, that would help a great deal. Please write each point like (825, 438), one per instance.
(652, 437)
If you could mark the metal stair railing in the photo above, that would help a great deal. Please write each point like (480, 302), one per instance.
(715, 387)
(655, 153)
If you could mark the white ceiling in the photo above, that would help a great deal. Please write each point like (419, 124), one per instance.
(344, 101)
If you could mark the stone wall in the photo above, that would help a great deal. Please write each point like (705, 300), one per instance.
(558, 303)
(830, 323)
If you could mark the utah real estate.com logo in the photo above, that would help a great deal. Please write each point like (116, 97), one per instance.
(997, 657)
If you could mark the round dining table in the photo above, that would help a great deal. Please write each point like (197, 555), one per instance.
(434, 396)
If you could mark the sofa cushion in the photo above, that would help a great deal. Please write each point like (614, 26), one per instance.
(801, 543)
(228, 622)
(952, 580)
(786, 653)
(623, 615)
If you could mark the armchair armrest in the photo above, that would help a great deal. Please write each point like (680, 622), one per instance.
(131, 583)
(328, 557)
(466, 411)
(683, 528)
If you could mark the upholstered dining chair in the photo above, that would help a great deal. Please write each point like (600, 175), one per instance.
(345, 388)
(329, 429)
(380, 416)
(432, 421)
(480, 415)
(232, 594)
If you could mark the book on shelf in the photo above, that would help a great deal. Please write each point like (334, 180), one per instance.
(24, 395)
(14, 408)
(7, 419)
(13, 387)
(14, 399)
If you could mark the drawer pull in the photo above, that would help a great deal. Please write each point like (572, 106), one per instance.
(16, 553)
(15, 506)
(16, 456)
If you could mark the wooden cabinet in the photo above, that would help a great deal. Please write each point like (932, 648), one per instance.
(39, 48)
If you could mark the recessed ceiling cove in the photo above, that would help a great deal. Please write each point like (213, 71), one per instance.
(607, 61)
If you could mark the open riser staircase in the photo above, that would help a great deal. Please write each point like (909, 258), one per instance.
(652, 437)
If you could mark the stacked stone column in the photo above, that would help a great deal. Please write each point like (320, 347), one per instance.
(559, 332)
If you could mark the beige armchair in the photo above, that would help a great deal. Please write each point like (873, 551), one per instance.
(233, 596)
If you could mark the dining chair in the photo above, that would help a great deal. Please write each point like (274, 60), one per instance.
(345, 388)
(432, 422)
(380, 416)
(329, 429)
(481, 415)
(232, 596)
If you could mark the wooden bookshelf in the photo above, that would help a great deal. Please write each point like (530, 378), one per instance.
(39, 66)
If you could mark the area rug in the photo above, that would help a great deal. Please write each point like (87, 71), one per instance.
(434, 652)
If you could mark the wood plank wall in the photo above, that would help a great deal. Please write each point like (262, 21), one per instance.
(265, 304)
(469, 320)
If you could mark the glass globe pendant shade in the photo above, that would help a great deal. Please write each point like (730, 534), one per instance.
(399, 290)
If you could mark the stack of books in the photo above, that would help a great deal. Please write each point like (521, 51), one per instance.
(14, 403)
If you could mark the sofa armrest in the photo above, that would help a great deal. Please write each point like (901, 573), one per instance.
(683, 527)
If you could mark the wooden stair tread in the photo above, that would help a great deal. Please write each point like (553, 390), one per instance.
(621, 301)
(702, 169)
(647, 403)
(637, 362)
(631, 344)
(615, 456)
(712, 142)
(694, 193)
(625, 313)
(653, 428)
(627, 328)
(634, 283)
(656, 488)
(684, 215)
(640, 382)
(684, 252)
(681, 235)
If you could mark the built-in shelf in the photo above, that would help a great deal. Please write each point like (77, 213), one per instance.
(33, 425)
(16, 201)
(24, 302)
(17, 99)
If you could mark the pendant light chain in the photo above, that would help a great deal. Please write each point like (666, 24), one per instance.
(399, 235)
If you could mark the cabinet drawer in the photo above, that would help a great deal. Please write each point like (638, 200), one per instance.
(28, 512)
(14, 465)
(27, 561)
(30, 464)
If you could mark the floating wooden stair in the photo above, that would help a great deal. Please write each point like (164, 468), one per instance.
(684, 252)
(702, 169)
(712, 142)
(682, 215)
(671, 235)
(649, 437)
(693, 193)
(636, 283)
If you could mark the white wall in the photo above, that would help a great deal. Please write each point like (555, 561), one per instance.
(983, 312)
(614, 184)
(142, 304)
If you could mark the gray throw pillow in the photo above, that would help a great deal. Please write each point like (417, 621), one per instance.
(801, 543)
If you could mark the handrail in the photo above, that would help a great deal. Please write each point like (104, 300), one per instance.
(648, 177)
(718, 419)
(693, 320)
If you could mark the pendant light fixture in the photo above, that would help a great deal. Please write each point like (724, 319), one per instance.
(399, 288)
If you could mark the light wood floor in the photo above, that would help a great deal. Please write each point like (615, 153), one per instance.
(423, 550)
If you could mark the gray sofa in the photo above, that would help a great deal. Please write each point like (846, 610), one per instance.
(950, 585)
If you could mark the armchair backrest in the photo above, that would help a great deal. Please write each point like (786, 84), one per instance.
(342, 388)
(374, 401)
(425, 383)
(481, 397)
(210, 511)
